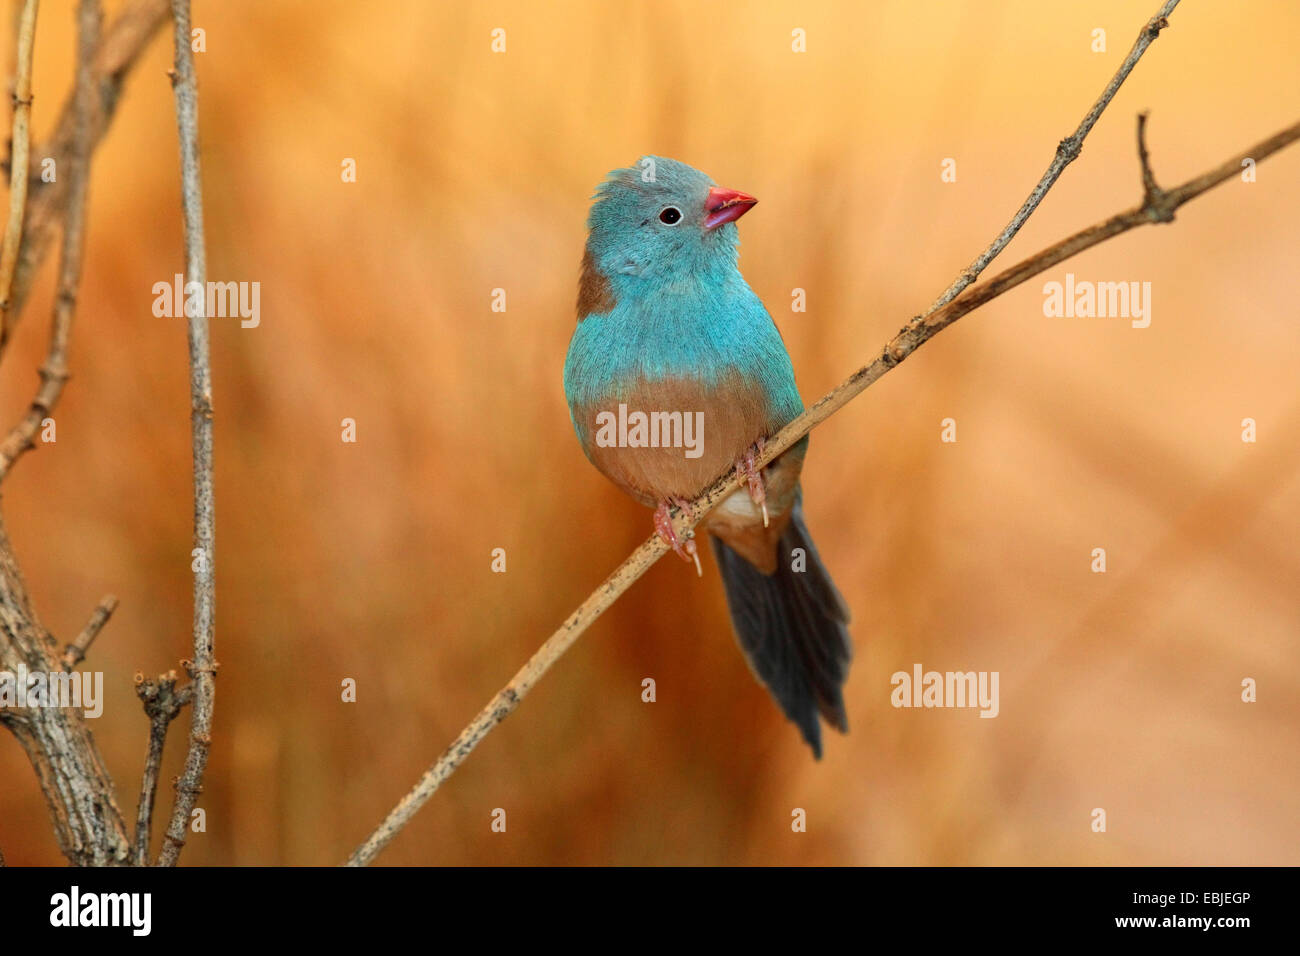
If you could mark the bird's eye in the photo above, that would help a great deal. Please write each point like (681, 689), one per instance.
(670, 215)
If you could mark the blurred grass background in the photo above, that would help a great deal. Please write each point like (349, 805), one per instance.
(372, 561)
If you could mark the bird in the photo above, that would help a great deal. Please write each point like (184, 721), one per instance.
(675, 375)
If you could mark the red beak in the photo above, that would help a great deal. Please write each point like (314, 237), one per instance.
(725, 205)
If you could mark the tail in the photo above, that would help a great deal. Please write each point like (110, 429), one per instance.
(793, 627)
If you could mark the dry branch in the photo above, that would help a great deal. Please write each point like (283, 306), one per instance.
(123, 41)
(1157, 206)
(78, 790)
(75, 652)
(54, 373)
(87, 823)
(162, 703)
(1066, 152)
(203, 668)
(18, 168)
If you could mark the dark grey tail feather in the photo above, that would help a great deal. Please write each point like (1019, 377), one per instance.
(793, 627)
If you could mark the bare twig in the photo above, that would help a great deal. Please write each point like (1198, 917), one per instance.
(911, 337)
(162, 703)
(54, 373)
(75, 652)
(203, 668)
(1066, 152)
(123, 41)
(19, 164)
(1151, 193)
(1159, 207)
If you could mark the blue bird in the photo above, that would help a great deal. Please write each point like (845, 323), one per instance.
(676, 374)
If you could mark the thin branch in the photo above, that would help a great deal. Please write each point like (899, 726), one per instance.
(18, 168)
(75, 652)
(1151, 193)
(123, 42)
(203, 668)
(1066, 152)
(911, 337)
(54, 373)
(1157, 208)
(162, 703)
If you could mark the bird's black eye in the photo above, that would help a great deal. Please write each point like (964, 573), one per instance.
(670, 215)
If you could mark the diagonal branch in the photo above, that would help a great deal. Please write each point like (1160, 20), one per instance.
(75, 652)
(1067, 151)
(1154, 208)
(203, 668)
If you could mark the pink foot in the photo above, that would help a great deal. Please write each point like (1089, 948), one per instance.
(685, 547)
(752, 475)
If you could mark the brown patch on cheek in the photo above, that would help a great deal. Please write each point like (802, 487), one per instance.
(595, 297)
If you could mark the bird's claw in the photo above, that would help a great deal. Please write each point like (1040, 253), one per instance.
(684, 545)
(750, 474)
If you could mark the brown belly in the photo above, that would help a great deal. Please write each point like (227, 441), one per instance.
(651, 466)
(685, 437)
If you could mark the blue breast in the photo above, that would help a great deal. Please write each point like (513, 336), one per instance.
(701, 327)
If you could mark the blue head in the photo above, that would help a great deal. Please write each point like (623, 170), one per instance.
(661, 219)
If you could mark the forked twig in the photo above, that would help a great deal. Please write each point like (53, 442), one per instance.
(1067, 151)
(162, 703)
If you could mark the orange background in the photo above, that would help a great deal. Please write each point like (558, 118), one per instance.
(372, 561)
